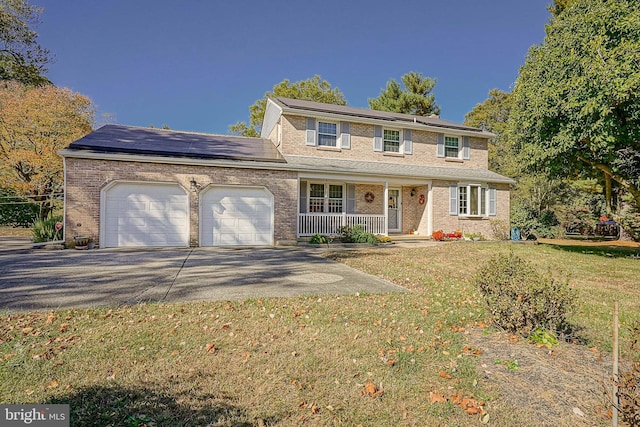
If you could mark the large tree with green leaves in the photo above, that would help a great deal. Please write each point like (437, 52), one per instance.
(313, 89)
(576, 104)
(21, 57)
(414, 98)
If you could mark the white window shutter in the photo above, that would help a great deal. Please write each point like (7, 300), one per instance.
(408, 143)
(465, 148)
(440, 150)
(311, 131)
(345, 137)
(453, 199)
(377, 138)
(493, 202)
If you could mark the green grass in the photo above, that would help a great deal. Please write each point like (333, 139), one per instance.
(293, 361)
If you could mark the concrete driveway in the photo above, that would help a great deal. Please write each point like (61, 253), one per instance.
(50, 279)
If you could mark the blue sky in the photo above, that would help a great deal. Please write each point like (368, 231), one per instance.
(197, 65)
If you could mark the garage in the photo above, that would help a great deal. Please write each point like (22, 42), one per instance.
(145, 214)
(236, 216)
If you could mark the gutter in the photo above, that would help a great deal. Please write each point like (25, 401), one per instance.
(416, 124)
(259, 165)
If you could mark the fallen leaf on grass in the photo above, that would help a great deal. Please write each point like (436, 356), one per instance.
(371, 390)
(444, 374)
(53, 384)
(64, 327)
(437, 397)
(50, 319)
(211, 348)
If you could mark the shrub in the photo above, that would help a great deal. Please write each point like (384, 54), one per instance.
(16, 211)
(529, 222)
(500, 229)
(629, 220)
(384, 239)
(319, 239)
(45, 230)
(629, 382)
(520, 299)
(474, 236)
(356, 234)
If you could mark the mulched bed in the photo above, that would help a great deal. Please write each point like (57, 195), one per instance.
(564, 386)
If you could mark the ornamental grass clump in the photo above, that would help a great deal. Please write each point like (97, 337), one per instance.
(522, 300)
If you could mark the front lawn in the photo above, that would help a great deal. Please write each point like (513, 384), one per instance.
(411, 358)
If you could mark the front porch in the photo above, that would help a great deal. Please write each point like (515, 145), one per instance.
(380, 208)
(328, 224)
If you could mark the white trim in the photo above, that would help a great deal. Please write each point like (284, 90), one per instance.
(386, 208)
(325, 183)
(429, 208)
(480, 186)
(398, 209)
(111, 184)
(400, 140)
(460, 145)
(269, 120)
(338, 134)
(238, 164)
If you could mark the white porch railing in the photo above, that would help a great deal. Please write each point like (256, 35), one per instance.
(326, 223)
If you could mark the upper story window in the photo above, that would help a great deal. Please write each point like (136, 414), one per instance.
(321, 133)
(391, 140)
(327, 134)
(451, 146)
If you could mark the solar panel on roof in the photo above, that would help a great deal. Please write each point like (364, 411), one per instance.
(148, 141)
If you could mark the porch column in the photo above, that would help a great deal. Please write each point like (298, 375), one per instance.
(386, 208)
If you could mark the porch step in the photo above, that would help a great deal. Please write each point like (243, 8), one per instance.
(409, 237)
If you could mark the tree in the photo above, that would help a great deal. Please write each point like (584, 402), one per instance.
(313, 89)
(576, 104)
(415, 98)
(559, 6)
(21, 57)
(493, 115)
(36, 122)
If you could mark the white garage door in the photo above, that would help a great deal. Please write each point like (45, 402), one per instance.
(145, 214)
(236, 216)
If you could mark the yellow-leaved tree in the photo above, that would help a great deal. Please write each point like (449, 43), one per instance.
(35, 123)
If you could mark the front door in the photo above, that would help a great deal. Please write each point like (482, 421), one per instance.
(395, 210)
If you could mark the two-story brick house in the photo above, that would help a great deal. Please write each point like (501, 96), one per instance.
(315, 168)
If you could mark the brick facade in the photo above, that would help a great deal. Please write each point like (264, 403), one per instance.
(424, 146)
(85, 178)
(442, 220)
